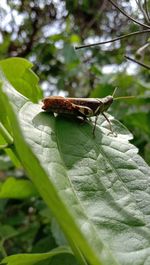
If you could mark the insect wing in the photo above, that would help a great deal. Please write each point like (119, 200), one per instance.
(57, 104)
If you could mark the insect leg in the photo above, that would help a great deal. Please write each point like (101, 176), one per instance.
(84, 111)
(96, 117)
(110, 127)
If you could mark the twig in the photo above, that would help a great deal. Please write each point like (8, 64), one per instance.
(146, 10)
(131, 18)
(143, 9)
(113, 40)
(135, 61)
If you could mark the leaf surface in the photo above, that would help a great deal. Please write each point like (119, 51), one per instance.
(32, 259)
(17, 189)
(18, 72)
(97, 188)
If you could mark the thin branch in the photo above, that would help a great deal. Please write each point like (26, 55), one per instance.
(131, 18)
(113, 40)
(143, 9)
(146, 10)
(137, 62)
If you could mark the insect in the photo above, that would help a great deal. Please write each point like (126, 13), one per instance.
(80, 107)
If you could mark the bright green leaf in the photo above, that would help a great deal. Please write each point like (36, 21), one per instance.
(75, 38)
(18, 72)
(17, 189)
(31, 259)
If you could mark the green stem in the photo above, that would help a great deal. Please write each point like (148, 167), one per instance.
(4, 146)
(6, 135)
(9, 140)
(78, 254)
(3, 251)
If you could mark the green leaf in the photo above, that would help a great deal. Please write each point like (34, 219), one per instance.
(50, 175)
(5, 162)
(57, 233)
(139, 120)
(31, 259)
(74, 38)
(9, 152)
(7, 231)
(17, 189)
(147, 153)
(3, 117)
(71, 59)
(18, 72)
(5, 134)
(97, 188)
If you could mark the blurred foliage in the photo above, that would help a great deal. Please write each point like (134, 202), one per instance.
(27, 224)
(45, 32)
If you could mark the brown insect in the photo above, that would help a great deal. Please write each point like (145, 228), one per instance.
(79, 107)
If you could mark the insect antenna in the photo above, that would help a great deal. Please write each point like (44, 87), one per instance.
(114, 92)
(124, 97)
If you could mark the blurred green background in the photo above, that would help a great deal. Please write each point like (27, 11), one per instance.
(46, 33)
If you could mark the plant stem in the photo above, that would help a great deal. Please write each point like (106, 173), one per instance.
(6, 135)
(3, 251)
(113, 40)
(135, 61)
(131, 18)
